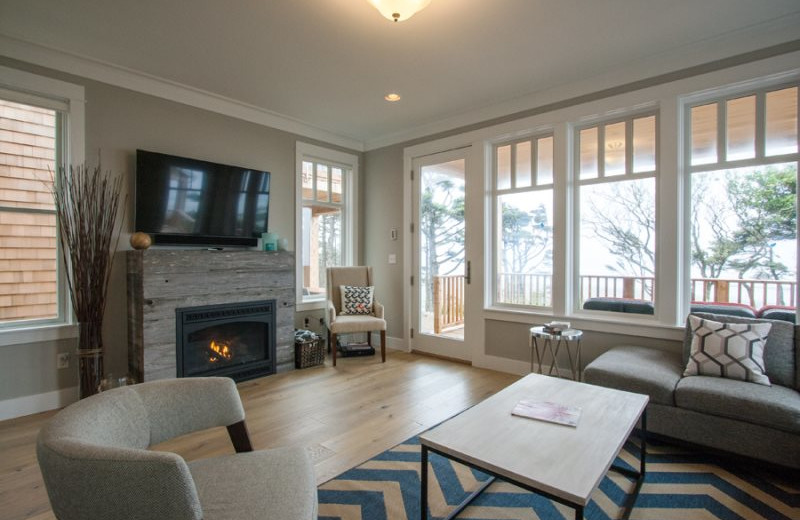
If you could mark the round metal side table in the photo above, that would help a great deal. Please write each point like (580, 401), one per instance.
(543, 343)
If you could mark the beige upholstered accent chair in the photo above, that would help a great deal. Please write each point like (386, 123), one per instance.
(341, 323)
(96, 465)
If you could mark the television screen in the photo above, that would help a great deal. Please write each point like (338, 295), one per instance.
(189, 201)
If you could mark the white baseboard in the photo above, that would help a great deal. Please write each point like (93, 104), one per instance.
(513, 366)
(396, 344)
(391, 343)
(30, 404)
(501, 364)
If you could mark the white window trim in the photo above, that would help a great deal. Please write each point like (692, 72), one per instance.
(575, 309)
(493, 235)
(24, 87)
(306, 151)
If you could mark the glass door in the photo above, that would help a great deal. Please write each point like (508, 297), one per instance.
(441, 267)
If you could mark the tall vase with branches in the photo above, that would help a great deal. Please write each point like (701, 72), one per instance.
(87, 202)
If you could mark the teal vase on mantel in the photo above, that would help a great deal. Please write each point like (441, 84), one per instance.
(90, 357)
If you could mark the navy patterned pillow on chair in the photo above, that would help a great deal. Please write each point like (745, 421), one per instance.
(356, 299)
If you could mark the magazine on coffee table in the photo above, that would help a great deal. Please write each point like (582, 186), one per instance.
(547, 411)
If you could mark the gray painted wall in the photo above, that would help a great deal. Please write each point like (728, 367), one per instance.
(510, 340)
(383, 210)
(30, 368)
(119, 121)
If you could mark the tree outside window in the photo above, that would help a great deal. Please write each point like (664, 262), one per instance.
(744, 246)
(441, 230)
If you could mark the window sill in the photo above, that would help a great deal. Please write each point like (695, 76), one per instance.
(311, 305)
(37, 334)
(631, 325)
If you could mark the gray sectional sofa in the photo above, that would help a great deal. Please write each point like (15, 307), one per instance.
(745, 418)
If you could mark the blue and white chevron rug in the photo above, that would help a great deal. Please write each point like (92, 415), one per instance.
(681, 483)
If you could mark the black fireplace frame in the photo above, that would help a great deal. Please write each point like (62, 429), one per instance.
(229, 312)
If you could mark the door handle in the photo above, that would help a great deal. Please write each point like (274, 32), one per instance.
(468, 274)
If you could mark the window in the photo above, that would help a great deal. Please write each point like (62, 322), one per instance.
(326, 216)
(38, 117)
(742, 160)
(523, 201)
(28, 266)
(616, 168)
(641, 202)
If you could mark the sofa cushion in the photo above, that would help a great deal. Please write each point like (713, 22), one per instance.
(638, 369)
(780, 351)
(730, 350)
(282, 485)
(778, 312)
(728, 309)
(628, 305)
(771, 406)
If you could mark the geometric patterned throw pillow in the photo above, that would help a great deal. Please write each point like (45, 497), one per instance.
(356, 300)
(730, 350)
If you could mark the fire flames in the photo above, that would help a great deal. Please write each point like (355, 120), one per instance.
(219, 351)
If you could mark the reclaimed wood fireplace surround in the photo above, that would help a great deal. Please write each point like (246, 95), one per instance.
(162, 280)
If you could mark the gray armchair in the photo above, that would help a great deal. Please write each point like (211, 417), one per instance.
(339, 323)
(96, 465)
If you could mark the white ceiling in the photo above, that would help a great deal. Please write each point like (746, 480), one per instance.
(326, 64)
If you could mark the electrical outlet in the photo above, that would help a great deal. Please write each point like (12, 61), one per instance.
(62, 360)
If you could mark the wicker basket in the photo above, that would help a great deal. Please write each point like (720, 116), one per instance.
(308, 353)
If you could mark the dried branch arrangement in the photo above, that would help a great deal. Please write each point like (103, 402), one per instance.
(87, 205)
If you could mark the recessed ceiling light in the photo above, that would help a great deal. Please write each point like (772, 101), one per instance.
(392, 97)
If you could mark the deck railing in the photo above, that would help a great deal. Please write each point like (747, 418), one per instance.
(536, 289)
(755, 293)
(448, 302)
(524, 289)
(634, 287)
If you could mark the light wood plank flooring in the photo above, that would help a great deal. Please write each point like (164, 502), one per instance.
(344, 416)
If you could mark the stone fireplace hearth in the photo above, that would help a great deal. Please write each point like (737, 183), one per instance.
(163, 280)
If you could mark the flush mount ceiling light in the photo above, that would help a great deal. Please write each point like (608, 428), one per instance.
(399, 10)
(392, 97)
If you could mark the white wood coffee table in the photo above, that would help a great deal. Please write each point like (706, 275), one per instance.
(563, 463)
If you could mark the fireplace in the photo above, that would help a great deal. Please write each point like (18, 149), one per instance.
(236, 340)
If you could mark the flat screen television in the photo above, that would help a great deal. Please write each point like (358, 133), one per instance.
(183, 201)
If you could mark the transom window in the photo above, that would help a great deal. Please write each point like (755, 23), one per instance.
(523, 201)
(617, 165)
(754, 126)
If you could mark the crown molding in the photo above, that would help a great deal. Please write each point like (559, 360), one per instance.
(756, 42)
(111, 74)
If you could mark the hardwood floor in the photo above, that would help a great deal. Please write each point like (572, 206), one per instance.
(344, 416)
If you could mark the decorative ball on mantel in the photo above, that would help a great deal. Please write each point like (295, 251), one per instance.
(141, 240)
